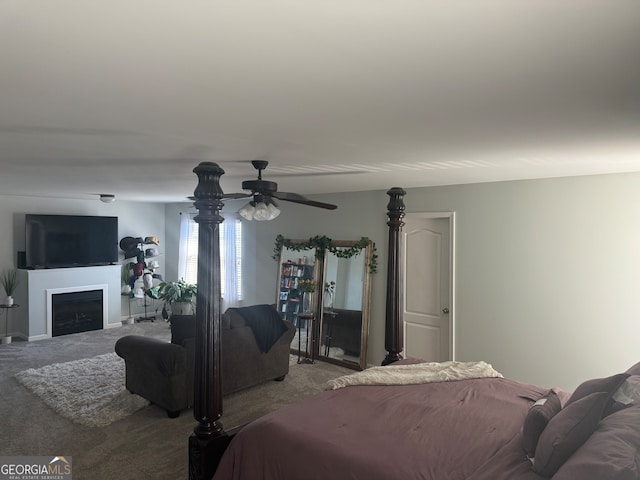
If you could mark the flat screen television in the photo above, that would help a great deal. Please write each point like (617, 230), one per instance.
(59, 241)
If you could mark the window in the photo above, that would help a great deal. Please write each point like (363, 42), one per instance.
(230, 256)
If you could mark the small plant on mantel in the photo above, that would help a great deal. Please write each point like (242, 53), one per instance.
(175, 295)
(9, 282)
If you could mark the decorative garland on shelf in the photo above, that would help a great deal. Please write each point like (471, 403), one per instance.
(323, 243)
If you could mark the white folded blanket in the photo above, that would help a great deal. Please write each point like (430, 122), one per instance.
(416, 374)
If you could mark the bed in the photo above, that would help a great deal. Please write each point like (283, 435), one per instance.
(419, 421)
(464, 429)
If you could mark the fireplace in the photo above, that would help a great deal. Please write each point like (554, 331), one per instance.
(75, 310)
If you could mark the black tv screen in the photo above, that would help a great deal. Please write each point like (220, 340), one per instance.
(57, 241)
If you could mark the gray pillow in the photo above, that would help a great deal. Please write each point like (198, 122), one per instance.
(607, 384)
(538, 416)
(634, 370)
(567, 431)
(611, 452)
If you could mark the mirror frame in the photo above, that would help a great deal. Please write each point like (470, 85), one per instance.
(323, 246)
(368, 252)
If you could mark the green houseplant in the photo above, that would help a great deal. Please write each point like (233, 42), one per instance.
(178, 297)
(9, 282)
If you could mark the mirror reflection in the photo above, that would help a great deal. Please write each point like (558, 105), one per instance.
(296, 303)
(344, 331)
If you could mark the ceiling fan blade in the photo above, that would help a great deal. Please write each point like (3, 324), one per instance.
(236, 195)
(227, 195)
(294, 197)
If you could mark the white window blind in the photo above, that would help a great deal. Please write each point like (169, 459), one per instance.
(191, 263)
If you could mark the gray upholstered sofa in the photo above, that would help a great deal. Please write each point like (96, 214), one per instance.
(163, 372)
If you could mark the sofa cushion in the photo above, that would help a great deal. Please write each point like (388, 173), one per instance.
(182, 328)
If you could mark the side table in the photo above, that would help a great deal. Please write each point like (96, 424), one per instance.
(328, 316)
(309, 317)
(6, 338)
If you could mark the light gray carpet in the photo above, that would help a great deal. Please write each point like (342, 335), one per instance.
(143, 445)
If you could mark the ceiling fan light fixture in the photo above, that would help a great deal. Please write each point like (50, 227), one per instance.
(107, 198)
(262, 213)
(247, 211)
(273, 211)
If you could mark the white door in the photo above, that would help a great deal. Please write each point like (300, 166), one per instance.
(427, 287)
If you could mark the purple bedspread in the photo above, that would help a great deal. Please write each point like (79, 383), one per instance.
(467, 429)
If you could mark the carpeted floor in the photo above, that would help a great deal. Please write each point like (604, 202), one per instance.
(144, 445)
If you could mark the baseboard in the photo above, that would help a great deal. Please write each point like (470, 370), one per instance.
(34, 338)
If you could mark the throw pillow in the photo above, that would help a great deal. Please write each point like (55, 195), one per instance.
(608, 384)
(626, 395)
(567, 431)
(538, 416)
(182, 328)
(634, 370)
(611, 452)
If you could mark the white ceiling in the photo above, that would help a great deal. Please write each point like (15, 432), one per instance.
(126, 97)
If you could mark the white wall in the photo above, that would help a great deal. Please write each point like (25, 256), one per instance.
(548, 271)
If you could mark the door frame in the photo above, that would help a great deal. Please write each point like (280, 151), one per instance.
(450, 216)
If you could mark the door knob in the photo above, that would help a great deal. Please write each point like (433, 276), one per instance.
(445, 310)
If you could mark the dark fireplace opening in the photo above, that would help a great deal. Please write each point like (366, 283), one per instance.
(76, 312)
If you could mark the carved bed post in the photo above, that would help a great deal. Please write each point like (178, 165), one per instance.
(207, 399)
(393, 327)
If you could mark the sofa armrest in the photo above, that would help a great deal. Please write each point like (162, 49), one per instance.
(153, 353)
(287, 336)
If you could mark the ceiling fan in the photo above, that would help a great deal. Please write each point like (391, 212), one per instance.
(263, 206)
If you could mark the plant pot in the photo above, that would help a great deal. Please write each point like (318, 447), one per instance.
(307, 302)
(128, 321)
(8, 301)
(182, 308)
(5, 340)
(328, 300)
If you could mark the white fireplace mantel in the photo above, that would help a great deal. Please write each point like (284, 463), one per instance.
(32, 320)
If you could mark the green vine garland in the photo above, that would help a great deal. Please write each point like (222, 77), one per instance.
(323, 243)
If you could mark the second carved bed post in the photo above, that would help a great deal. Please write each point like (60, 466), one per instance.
(393, 342)
(207, 400)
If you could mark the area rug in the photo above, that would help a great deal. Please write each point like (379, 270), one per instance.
(89, 391)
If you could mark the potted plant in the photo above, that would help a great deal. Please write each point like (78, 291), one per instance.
(125, 275)
(9, 283)
(178, 297)
(308, 288)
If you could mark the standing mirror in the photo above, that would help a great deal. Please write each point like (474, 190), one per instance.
(298, 271)
(344, 317)
(332, 318)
